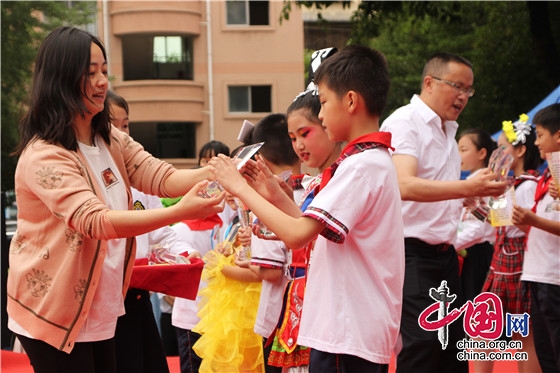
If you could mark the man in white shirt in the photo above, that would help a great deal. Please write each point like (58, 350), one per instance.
(428, 169)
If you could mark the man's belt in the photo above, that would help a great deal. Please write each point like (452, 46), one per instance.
(439, 248)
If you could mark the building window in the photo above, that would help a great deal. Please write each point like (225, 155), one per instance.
(157, 57)
(166, 139)
(246, 12)
(250, 99)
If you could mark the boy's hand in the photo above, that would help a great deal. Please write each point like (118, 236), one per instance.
(242, 263)
(553, 190)
(260, 178)
(264, 234)
(244, 236)
(522, 216)
(224, 170)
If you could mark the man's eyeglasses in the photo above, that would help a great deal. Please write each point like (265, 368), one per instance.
(468, 91)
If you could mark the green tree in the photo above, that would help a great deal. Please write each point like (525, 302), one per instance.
(408, 39)
(24, 25)
(512, 45)
(509, 76)
(495, 36)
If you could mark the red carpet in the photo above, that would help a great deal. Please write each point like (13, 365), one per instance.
(13, 362)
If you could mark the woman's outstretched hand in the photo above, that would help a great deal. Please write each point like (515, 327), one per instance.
(194, 206)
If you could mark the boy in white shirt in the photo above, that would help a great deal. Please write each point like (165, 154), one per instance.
(541, 266)
(352, 306)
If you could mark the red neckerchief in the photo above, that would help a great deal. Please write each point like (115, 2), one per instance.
(297, 181)
(207, 223)
(528, 175)
(358, 145)
(542, 188)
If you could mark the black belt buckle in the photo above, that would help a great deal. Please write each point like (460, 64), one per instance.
(442, 247)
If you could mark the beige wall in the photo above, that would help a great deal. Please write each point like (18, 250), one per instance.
(245, 55)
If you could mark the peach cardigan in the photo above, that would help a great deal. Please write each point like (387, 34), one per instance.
(60, 244)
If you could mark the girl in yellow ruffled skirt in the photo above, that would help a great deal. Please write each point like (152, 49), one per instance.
(227, 311)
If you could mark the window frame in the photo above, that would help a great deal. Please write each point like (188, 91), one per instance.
(250, 99)
(146, 67)
(159, 138)
(249, 21)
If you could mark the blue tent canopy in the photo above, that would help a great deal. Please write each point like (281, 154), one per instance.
(552, 98)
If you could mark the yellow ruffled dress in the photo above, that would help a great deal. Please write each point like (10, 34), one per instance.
(227, 311)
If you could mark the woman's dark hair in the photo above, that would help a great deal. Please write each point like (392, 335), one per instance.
(211, 149)
(58, 91)
(482, 140)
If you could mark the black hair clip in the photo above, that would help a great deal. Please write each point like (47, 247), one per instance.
(316, 59)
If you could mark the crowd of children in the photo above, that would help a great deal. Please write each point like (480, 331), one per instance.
(237, 332)
(485, 250)
(343, 264)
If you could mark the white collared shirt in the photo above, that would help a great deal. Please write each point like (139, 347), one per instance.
(353, 297)
(542, 262)
(417, 131)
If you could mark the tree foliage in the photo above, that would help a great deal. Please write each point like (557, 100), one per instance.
(512, 45)
(24, 25)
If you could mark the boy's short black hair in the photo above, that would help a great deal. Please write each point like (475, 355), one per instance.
(549, 118)
(277, 148)
(359, 69)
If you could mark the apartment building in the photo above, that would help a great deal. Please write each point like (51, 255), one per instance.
(332, 29)
(192, 71)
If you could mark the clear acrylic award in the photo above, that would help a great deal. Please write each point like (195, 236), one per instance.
(214, 188)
